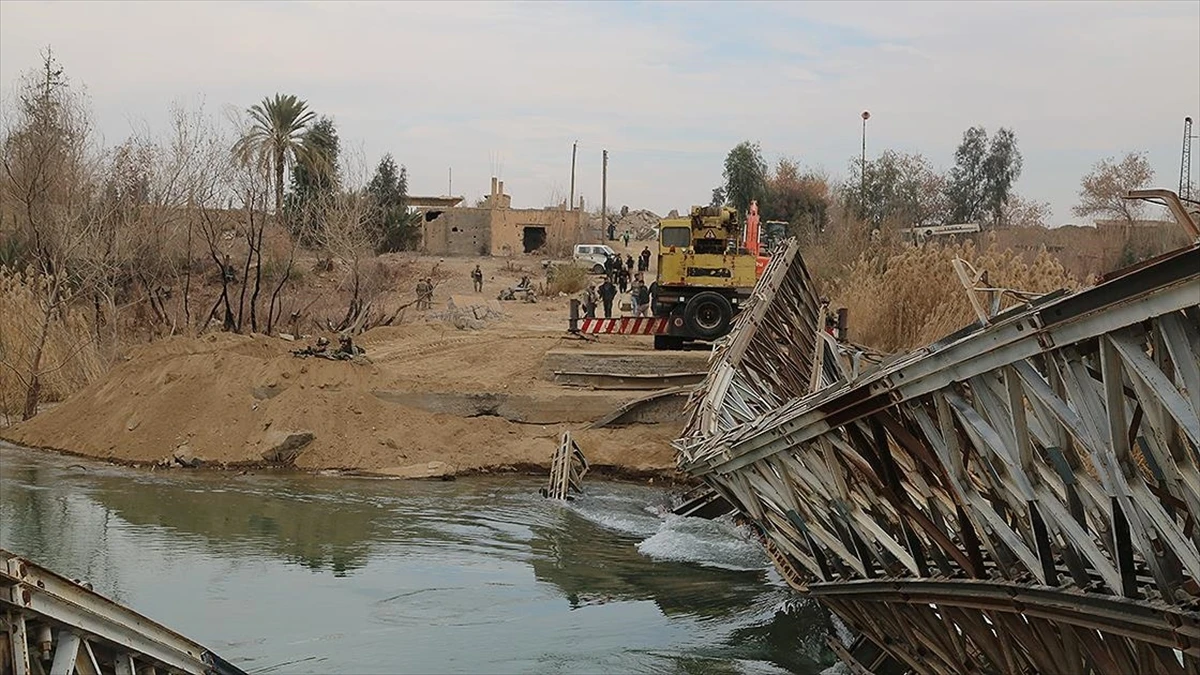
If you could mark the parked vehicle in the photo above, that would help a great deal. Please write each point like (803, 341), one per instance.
(592, 256)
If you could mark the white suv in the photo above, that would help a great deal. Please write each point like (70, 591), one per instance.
(593, 256)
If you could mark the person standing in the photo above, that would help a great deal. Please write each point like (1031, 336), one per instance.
(644, 262)
(589, 302)
(652, 291)
(422, 290)
(629, 264)
(641, 294)
(622, 279)
(607, 292)
(626, 238)
(477, 278)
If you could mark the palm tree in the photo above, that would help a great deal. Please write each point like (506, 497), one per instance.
(279, 136)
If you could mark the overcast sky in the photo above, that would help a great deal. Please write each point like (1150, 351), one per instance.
(668, 88)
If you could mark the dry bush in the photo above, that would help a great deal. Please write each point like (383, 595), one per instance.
(70, 359)
(567, 279)
(911, 297)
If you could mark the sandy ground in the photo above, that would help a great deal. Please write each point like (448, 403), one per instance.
(428, 400)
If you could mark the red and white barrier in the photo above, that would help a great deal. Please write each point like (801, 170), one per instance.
(626, 325)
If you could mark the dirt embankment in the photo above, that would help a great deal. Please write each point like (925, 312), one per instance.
(428, 400)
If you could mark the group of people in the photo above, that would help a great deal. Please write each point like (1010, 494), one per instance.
(620, 278)
(621, 272)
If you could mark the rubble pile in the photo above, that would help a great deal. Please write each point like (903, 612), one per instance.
(467, 317)
(641, 223)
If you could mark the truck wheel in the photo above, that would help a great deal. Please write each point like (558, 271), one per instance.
(668, 342)
(707, 315)
(597, 269)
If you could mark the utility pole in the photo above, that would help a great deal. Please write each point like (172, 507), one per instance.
(604, 197)
(450, 180)
(862, 188)
(574, 147)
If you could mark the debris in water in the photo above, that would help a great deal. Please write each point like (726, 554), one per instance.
(567, 469)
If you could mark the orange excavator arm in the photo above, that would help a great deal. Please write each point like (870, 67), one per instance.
(752, 229)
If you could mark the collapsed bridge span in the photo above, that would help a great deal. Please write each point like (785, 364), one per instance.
(1021, 496)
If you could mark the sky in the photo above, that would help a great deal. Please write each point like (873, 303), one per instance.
(472, 90)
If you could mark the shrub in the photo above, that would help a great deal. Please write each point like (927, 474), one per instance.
(567, 279)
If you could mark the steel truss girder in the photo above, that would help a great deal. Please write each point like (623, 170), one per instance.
(80, 631)
(1055, 447)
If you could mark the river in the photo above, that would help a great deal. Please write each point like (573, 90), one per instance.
(324, 574)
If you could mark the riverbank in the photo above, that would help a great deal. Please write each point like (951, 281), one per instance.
(428, 400)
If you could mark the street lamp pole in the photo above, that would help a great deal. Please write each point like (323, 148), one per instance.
(862, 188)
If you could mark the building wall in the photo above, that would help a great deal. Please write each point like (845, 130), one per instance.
(496, 229)
(459, 232)
(508, 229)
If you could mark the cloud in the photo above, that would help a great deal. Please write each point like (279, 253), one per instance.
(667, 88)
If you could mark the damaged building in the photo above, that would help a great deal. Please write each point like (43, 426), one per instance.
(495, 228)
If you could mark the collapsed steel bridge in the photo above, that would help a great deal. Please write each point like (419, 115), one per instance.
(51, 624)
(1021, 496)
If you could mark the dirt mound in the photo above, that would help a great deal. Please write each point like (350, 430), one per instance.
(241, 400)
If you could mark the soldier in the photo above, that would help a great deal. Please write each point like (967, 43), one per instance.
(477, 277)
(423, 292)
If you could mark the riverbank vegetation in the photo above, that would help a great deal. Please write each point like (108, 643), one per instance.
(257, 220)
(213, 224)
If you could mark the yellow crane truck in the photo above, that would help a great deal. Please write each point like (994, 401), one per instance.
(705, 273)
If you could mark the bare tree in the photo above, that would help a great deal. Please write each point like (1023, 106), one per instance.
(347, 235)
(1101, 191)
(49, 176)
(1021, 212)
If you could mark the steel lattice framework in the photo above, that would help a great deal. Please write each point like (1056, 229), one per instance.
(1021, 496)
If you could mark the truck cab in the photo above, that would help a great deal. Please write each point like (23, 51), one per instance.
(704, 275)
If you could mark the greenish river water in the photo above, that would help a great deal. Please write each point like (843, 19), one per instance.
(322, 574)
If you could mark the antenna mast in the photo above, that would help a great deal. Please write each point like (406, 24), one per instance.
(1185, 163)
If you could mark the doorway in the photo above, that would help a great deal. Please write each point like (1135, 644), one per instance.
(533, 238)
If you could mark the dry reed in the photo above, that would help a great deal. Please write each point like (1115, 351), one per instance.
(911, 296)
(70, 360)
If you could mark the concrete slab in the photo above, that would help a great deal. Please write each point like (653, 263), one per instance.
(642, 362)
